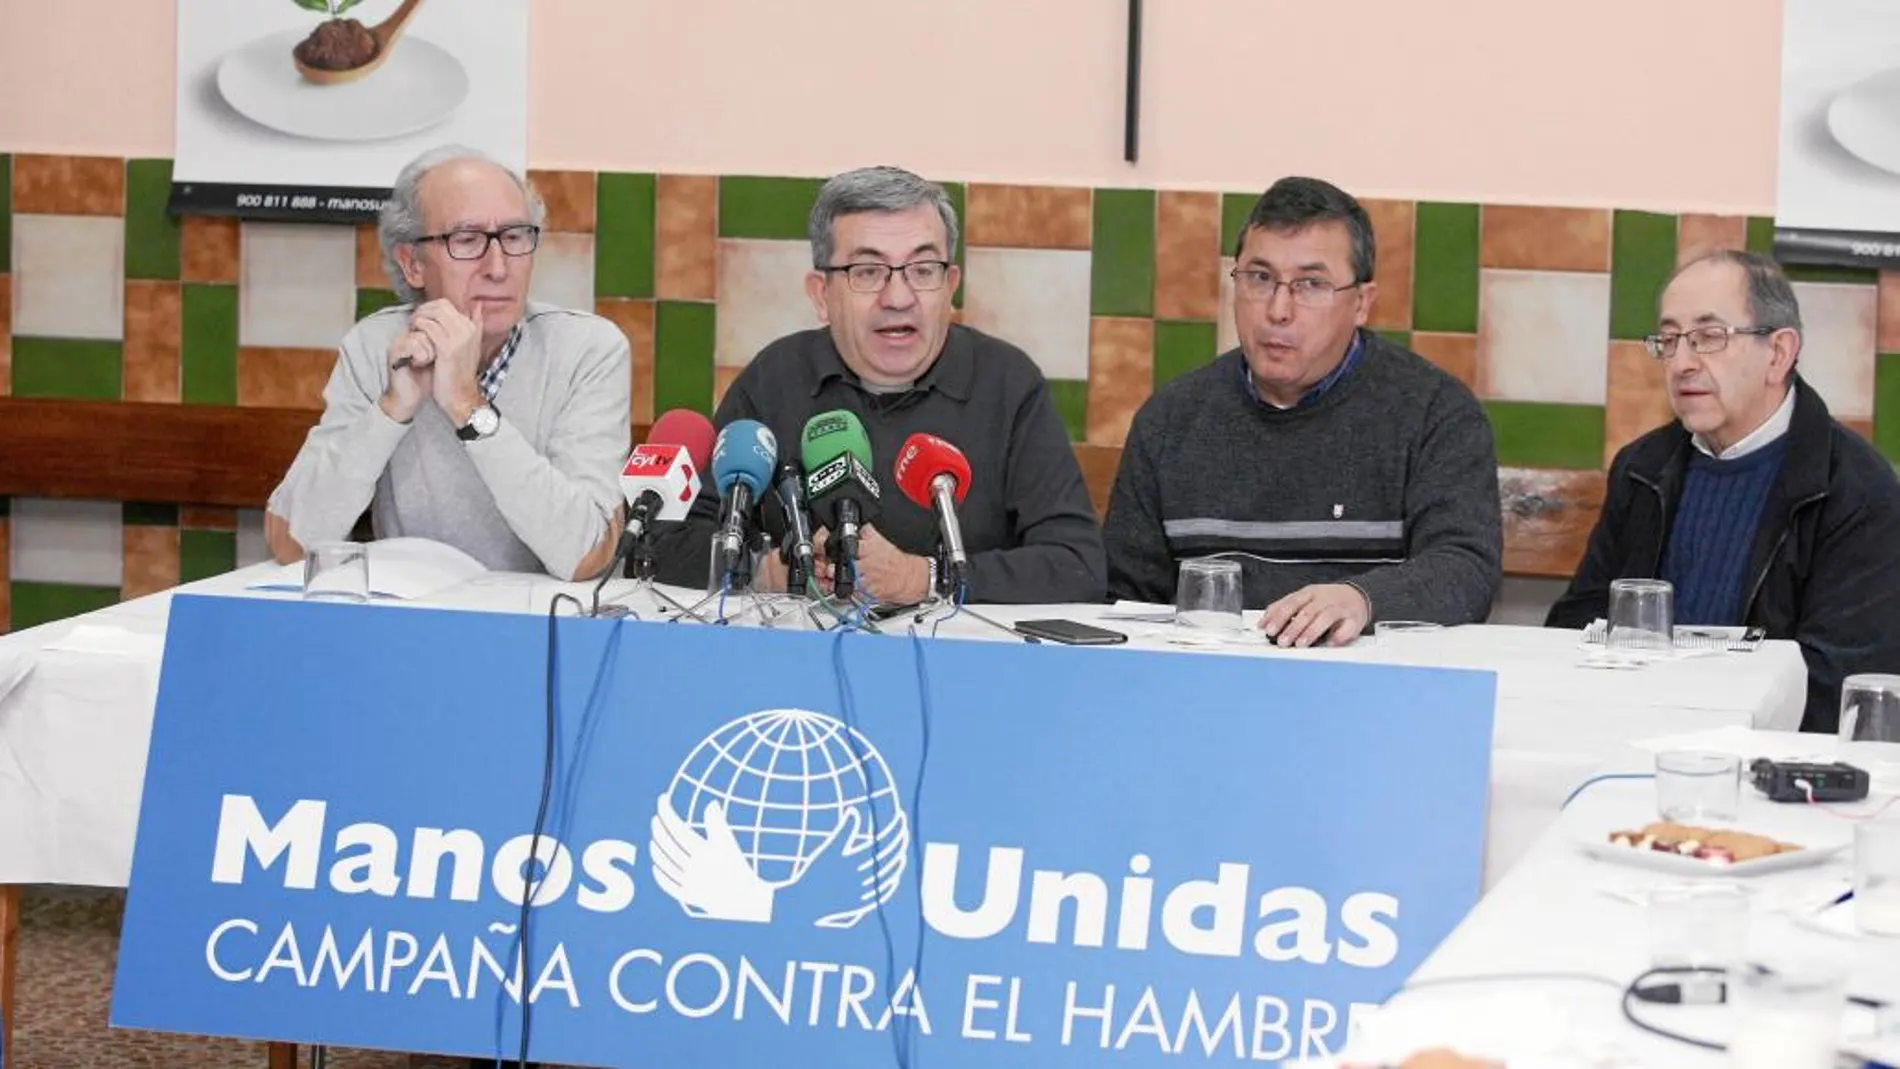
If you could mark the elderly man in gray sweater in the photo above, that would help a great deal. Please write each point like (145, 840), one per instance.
(468, 414)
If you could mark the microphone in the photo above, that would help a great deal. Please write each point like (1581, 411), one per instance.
(936, 475)
(844, 496)
(661, 477)
(798, 550)
(742, 468)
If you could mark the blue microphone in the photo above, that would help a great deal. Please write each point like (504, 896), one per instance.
(742, 464)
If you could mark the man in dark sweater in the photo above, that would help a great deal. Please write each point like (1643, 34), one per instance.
(1351, 479)
(1756, 505)
(882, 243)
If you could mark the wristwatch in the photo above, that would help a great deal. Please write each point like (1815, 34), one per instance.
(482, 423)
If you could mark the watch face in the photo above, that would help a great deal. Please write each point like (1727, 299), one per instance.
(485, 420)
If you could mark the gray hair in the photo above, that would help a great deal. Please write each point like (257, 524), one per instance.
(401, 221)
(875, 189)
(1771, 300)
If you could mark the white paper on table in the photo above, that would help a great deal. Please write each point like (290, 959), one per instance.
(1148, 612)
(404, 569)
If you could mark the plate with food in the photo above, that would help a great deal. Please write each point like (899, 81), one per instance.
(1692, 850)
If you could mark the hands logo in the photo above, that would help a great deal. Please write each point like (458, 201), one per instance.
(782, 808)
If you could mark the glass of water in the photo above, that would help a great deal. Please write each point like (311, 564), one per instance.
(1693, 786)
(1207, 595)
(1697, 924)
(1642, 614)
(1870, 708)
(336, 571)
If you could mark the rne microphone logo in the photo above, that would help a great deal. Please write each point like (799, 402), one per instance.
(766, 799)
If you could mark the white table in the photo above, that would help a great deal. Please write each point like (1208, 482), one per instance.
(1561, 911)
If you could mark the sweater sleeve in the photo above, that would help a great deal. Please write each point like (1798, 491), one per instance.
(333, 478)
(1140, 565)
(1454, 538)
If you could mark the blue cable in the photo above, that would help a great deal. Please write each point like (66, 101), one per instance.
(916, 810)
(1586, 784)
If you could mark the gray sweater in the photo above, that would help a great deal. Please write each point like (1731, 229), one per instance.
(1387, 480)
(535, 496)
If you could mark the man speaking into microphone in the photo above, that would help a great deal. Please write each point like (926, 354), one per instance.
(883, 243)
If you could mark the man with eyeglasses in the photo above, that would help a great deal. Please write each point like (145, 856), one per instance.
(1755, 505)
(883, 245)
(1352, 480)
(468, 414)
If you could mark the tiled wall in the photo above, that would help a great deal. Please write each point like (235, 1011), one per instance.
(1112, 292)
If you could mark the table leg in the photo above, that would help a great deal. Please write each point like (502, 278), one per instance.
(9, 962)
(283, 1056)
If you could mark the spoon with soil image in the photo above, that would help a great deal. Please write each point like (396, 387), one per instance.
(344, 50)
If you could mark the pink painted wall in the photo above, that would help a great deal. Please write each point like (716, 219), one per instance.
(1492, 100)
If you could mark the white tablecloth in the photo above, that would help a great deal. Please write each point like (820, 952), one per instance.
(74, 730)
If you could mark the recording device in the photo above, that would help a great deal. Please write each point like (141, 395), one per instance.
(1782, 781)
(742, 469)
(843, 494)
(934, 474)
(659, 482)
(1070, 632)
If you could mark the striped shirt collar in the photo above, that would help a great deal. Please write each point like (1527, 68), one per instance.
(490, 379)
(1318, 389)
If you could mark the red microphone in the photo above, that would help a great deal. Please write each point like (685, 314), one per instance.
(661, 478)
(936, 475)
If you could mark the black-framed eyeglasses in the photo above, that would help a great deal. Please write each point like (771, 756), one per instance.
(920, 275)
(518, 240)
(1702, 340)
(1311, 291)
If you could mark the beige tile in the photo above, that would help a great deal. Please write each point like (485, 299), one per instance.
(209, 246)
(635, 320)
(62, 540)
(6, 580)
(207, 518)
(564, 270)
(370, 273)
(1121, 374)
(1035, 299)
(151, 560)
(299, 284)
(1541, 335)
(1027, 217)
(1638, 397)
(69, 185)
(685, 240)
(68, 276)
(1698, 234)
(1456, 354)
(1187, 256)
(1393, 226)
(723, 378)
(1544, 239)
(283, 377)
(1837, 346)
(761, 296)
(1226, 335)
(6, 352)
(569, 196)
(154, 333)
(1887, 315)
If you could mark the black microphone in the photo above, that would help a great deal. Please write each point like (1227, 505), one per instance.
(798, 543)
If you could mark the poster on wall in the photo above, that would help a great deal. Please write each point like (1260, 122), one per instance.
(1838, 199)
(307, 109)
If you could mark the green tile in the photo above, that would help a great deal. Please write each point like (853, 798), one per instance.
(1234, 210)
(1400, 338)
(752, 207)
(1445, 268)
(958, 194)
(1642, 257)
(683, 333)
(1182, 345)
(1886, 405)
(371, 301)
(41, 603)
(1532, 435)
(210, 344)
(203, 554)
(151, 235)
(1860, 276)
(1761, 235)
(1122, 253)
(1072, 404)
(149, 514)
(6, 212)
(75, 368)
(623, 235)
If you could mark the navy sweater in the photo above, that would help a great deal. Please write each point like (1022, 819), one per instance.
(1714, 531)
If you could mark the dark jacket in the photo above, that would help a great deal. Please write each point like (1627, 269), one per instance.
(1825, 567)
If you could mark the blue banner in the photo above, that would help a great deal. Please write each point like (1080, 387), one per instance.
(788, 848)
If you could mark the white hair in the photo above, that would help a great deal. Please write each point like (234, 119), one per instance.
(401, 221)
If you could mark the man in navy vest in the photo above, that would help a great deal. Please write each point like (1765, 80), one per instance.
(1756, 505)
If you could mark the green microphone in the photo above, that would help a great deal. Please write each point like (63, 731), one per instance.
(836, 454)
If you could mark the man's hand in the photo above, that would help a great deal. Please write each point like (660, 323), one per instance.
(1304, 616)
(884, 571)
(411, 376)
(455, 345)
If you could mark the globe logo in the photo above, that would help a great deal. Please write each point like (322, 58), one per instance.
(762, 800)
